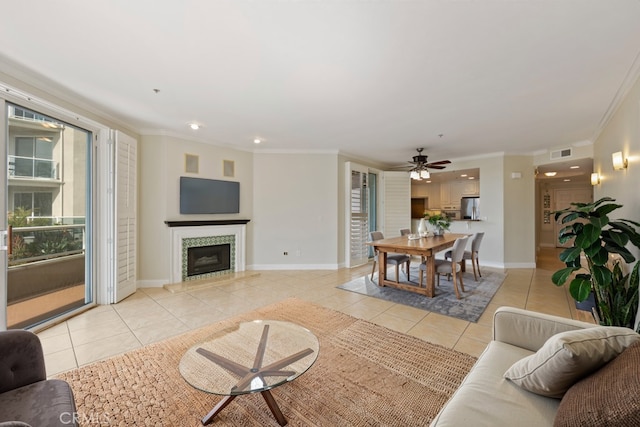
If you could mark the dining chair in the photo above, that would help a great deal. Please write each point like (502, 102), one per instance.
(393, 259)
(472, 254)
(452, 267)
(405, 231)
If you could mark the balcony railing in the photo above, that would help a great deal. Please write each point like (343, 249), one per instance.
(29, 244)
(31, 167)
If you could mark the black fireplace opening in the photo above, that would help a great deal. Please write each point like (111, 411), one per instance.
(208, 259)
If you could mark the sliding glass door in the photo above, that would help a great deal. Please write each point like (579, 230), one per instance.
(47, 184)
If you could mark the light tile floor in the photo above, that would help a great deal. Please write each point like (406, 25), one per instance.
(153, 314)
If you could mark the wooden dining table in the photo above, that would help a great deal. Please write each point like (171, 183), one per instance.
(425, 247)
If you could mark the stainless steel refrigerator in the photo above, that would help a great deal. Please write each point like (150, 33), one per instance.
(470, 208)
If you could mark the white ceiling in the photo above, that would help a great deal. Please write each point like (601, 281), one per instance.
(375, 79)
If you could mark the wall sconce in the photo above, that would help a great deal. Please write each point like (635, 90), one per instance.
(619, 162)
(595, 178)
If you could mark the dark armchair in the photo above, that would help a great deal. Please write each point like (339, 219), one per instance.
(27, 397)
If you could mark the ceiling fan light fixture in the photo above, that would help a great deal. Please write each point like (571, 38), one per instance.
(424, 174)
(415, 175)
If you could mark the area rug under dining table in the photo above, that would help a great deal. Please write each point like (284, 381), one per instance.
(365, 375)
(469, 307)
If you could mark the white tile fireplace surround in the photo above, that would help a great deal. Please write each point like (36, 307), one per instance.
(186, 234)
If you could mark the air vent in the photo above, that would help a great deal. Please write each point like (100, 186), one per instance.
(561, 154)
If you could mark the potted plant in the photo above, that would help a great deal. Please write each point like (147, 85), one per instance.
(439, 222)
(599, 245)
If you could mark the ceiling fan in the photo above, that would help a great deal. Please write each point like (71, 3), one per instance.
(420, 166)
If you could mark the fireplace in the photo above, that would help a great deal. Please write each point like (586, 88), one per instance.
(206, 249)
(208, 259)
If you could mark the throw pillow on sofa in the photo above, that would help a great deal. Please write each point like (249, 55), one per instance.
(569, 356)
(608, 397)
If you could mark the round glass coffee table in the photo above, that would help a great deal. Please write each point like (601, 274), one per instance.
(251, 357)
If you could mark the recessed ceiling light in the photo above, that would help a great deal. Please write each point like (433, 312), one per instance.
(257, 141)
(194, 126)
(566, 180)
(472, 177)
(550, 173)
(574, 167)
(463, 175)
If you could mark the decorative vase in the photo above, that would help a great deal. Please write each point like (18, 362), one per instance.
(422, 228)
(439, 231)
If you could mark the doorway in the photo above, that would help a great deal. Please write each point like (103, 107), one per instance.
(48, 203)
(564, 197)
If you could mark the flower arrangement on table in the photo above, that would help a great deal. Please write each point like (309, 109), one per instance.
(439, 222)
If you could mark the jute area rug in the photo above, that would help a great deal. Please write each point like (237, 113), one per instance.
(469, 307)
(365, 375)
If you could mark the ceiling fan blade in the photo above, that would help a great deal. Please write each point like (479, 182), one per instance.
(441, 162)
(436, 167)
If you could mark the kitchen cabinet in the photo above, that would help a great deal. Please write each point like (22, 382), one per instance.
(445, 194)
(471, 187)
(430, 191)
(456, 194)
(450, 194)
(452, 191)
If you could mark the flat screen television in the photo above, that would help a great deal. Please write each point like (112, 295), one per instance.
(208, 196)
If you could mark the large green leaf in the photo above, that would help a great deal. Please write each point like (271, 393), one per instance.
(580, 288)
(592, 250)
(624, 252)
(572, 216)
(601, 201)
(605, 210)
(601, 274)
(600, 257)
(561, 276)
(599, 221)
(615, 237)
(590, 233)
(627, 227)
(570, 254)
(566, 233)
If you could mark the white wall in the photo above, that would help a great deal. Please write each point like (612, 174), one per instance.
(622, 133)
(295, 211)
(492, 208)
(519, 212)
(162, 162)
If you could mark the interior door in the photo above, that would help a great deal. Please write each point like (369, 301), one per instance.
(563, 199)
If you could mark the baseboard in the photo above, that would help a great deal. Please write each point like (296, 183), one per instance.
(151, 283)
(520, 265)
(547, 245)
(265, 267)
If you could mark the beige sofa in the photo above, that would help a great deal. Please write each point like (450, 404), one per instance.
(485, 397)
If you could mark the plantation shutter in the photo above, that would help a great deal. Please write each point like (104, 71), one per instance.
(358, 214)
(126, 151)
(396, 202)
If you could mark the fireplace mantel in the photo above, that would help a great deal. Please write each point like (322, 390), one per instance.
(183, 232)
(198, 223)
